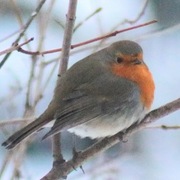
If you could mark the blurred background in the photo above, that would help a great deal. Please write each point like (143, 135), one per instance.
(27, 84)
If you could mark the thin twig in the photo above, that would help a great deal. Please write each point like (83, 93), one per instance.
(89, 41)
(15, 121)
(87, 18)
(18, 159)
(18, 14)
(138, 17)
(12, 34)
(43, 23)
(129, 21)
(33, 15)
(16, 47)
(5, 162)
(165, 127)
(113, 34)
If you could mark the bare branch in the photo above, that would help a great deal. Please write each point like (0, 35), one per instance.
(56, 145)
(87, 18)
(5, 162)
(16, 47)
(89, 41)
(165, 127)
(138, 16)
(33, 15)
(70, 19)
(63, 169)
(12, 34)
(15, 121)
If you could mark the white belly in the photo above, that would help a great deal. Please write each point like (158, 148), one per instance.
(106, 126)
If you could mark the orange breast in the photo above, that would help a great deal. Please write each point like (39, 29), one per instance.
(140, 75)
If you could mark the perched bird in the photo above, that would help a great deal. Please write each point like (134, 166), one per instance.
(98, 96)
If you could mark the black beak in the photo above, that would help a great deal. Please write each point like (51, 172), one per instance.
(137, 62)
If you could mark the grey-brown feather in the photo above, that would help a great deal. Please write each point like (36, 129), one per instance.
(85, 94)
(82, 94)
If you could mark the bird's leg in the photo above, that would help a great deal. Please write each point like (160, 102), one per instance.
(74, 150)
(122, 136)
(75, 153)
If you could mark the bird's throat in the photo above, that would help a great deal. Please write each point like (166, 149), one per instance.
(140, 75)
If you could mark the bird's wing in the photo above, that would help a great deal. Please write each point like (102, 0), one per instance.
(103, 96)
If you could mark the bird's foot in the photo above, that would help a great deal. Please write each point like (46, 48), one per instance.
(123, 137)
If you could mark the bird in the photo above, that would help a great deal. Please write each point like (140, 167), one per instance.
(99, 96)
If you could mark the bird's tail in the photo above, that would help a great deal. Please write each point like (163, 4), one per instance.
(20, 135)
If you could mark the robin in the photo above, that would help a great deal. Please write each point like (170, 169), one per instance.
(98, 96)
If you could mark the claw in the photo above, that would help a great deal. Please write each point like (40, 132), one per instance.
(122, 136)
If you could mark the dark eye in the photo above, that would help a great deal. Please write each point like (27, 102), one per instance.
(119, 59)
